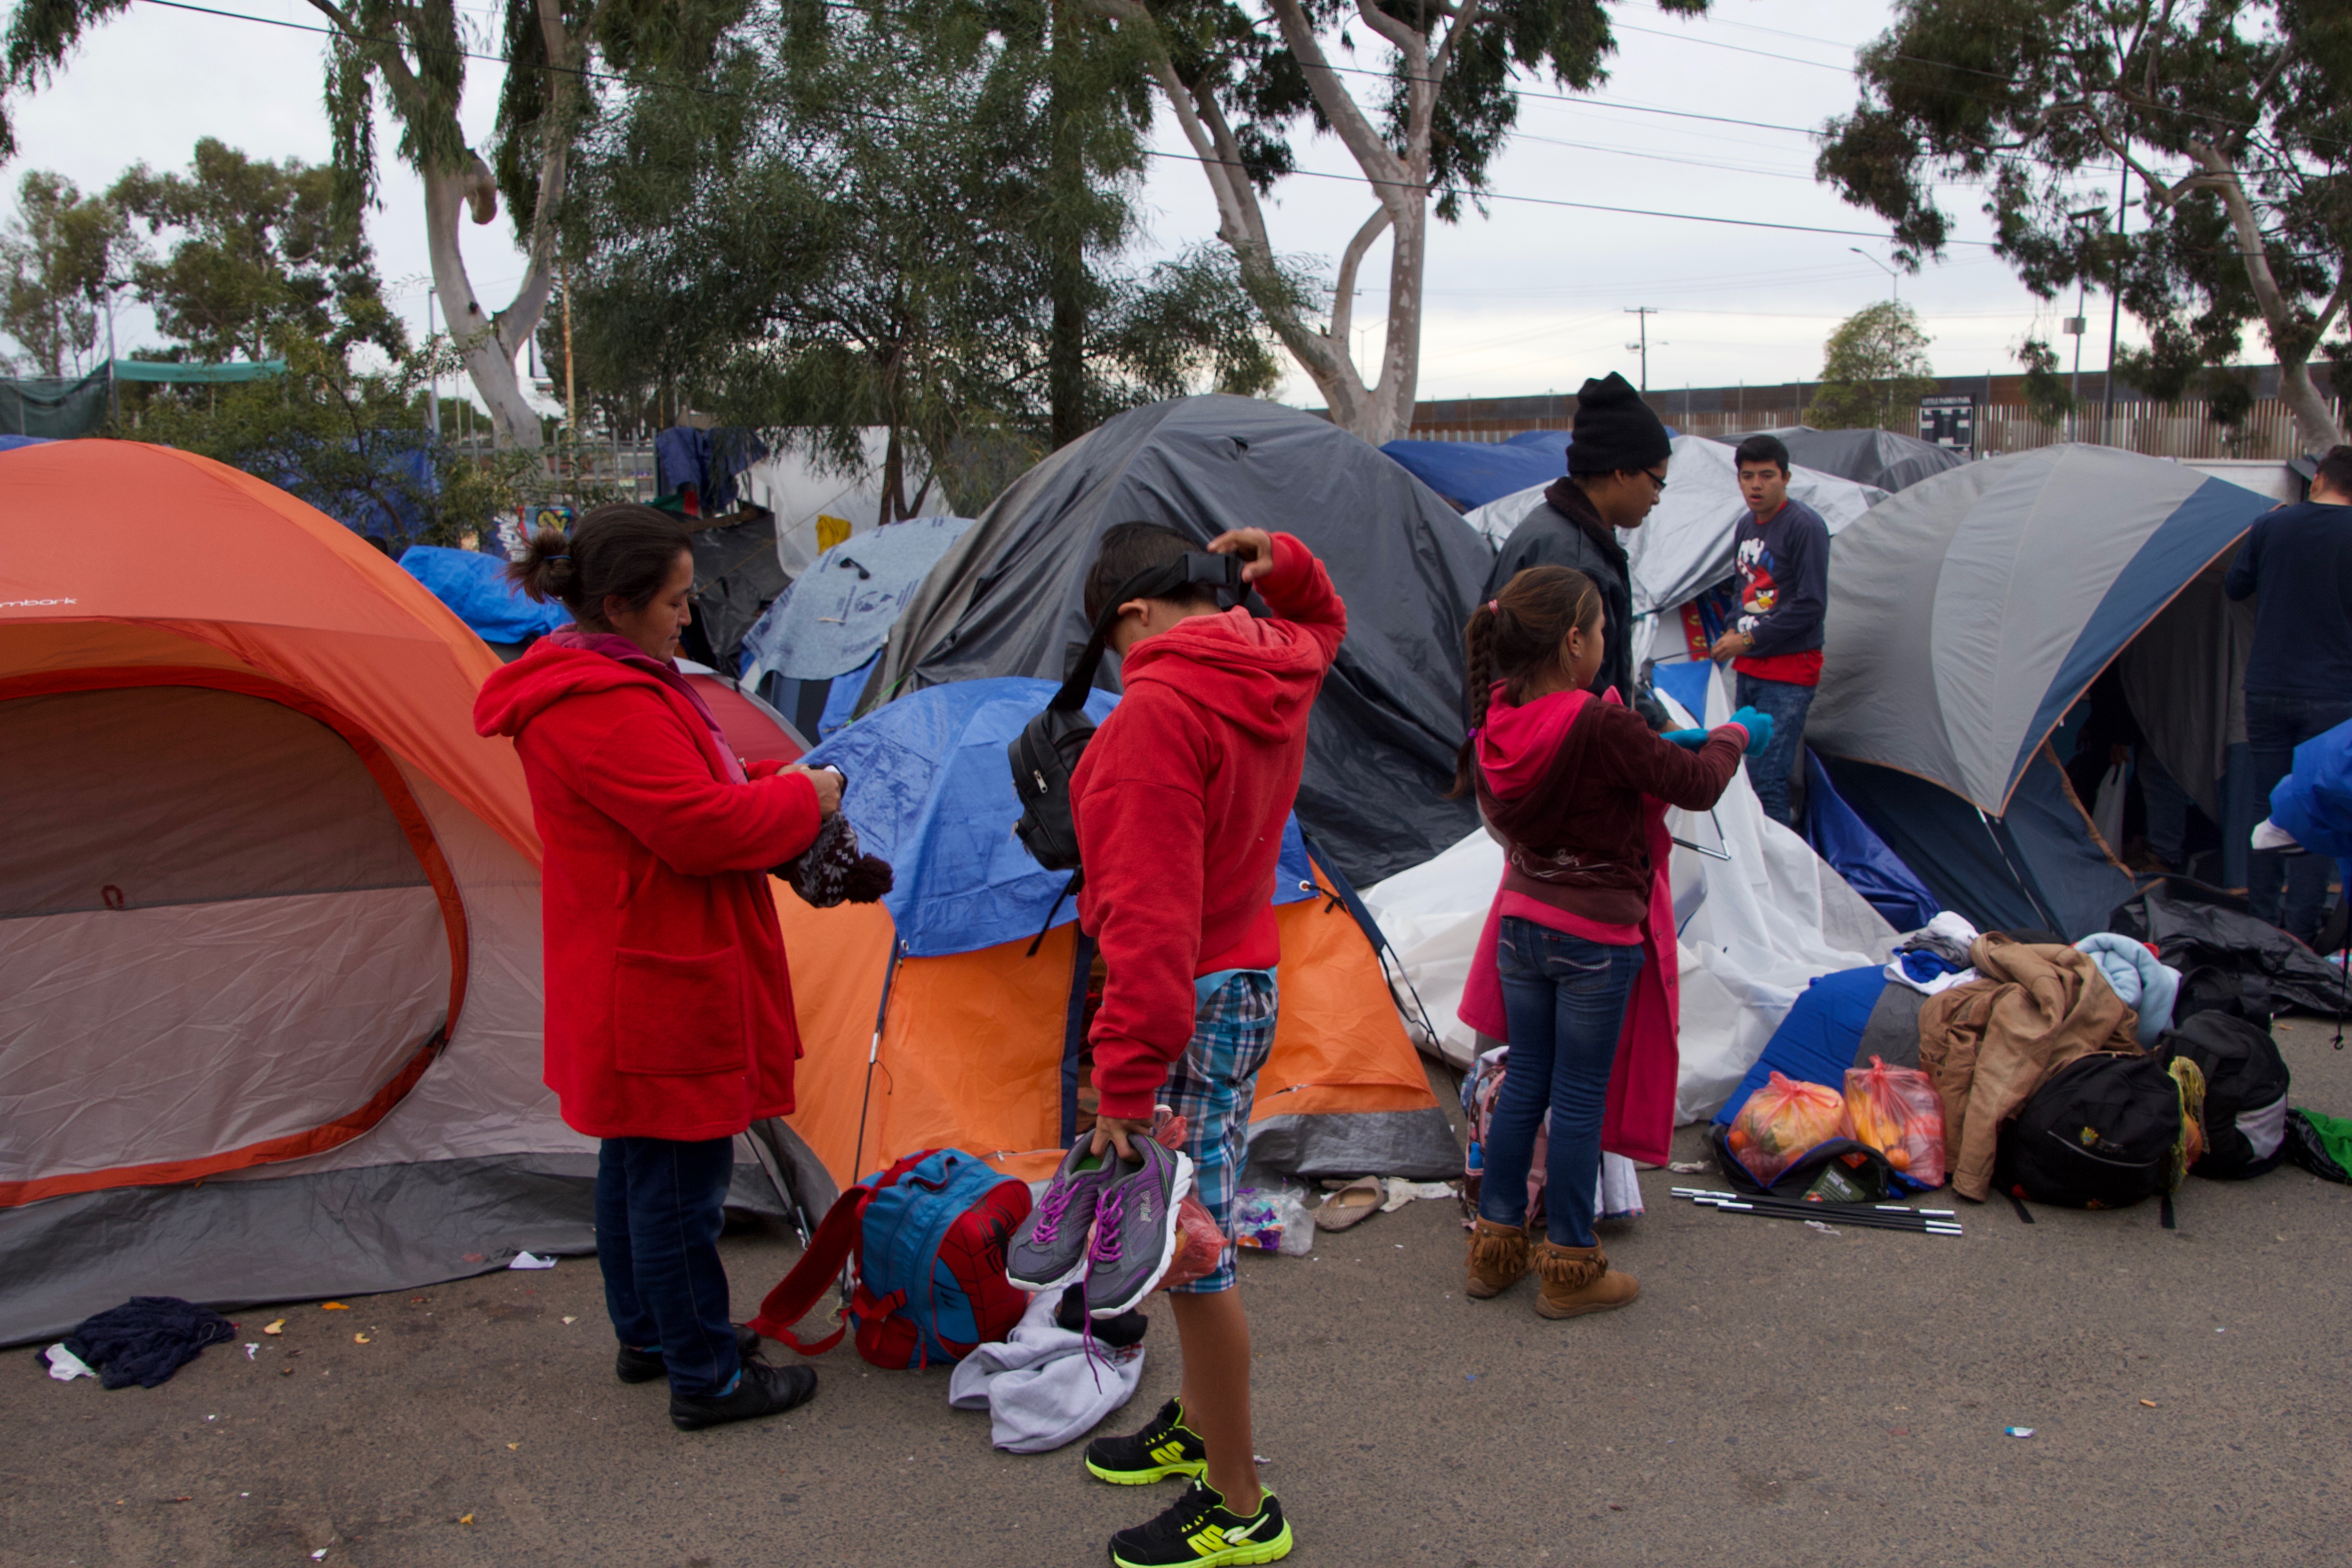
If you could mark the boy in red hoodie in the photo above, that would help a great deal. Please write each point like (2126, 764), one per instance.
(1180, 803)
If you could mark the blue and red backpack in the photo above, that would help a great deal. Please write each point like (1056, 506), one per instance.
(925, 1240)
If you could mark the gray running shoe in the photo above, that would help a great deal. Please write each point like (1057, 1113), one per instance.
(1135, 1229)
(1048, 1250)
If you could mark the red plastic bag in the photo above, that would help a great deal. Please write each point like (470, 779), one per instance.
(1200, 1244)
(1782, 1122)
(1897, 1112)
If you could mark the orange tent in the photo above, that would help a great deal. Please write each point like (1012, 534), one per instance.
(269, 907)
(975, 1052)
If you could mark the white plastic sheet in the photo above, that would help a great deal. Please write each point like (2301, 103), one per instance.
(1755, 931)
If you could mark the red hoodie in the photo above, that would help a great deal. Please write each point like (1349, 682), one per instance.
(1181, 800)
(669, 1012)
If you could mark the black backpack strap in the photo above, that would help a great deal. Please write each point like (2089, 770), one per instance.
(2164, 1211)
(1078, 879)
(2019, 1204)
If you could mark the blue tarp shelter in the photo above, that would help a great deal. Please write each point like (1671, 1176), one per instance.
(1471, 473)
(930, 792)
(1968, 614)
(836, 616)
(475, 587)
(1861, 856)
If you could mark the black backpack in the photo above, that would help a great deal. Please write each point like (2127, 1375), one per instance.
(2099, 1134)
(2235, 993)
(1046, 752)
(2245, 1092)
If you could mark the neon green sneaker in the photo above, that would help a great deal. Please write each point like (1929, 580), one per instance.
(1166, 1447)
(1201, 1532)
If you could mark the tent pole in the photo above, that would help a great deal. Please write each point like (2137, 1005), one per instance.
(874, 1052)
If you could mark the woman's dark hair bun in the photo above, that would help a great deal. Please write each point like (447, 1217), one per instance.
(624, 552)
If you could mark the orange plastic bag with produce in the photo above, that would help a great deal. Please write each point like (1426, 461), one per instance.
(1780, 1122)
(1897, 1112)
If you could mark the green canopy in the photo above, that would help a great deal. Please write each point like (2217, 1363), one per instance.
(195, 374)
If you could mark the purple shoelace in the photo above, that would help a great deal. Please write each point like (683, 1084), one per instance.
(1107, 1213)
(1050, 1210)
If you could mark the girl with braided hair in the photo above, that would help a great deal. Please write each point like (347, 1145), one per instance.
(1575, 787)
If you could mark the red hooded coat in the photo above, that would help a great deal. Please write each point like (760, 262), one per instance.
(669, 1011)
(1180, 803)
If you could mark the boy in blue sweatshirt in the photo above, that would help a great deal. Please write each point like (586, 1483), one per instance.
(1781, 550)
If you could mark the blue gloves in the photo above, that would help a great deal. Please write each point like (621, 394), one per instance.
(1688, 740)
(1758, 725)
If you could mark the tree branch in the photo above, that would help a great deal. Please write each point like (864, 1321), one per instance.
(1351, 260)
(1392, 181)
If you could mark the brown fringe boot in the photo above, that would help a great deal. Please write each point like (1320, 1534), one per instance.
(1578, 1279)
(1498, 1256)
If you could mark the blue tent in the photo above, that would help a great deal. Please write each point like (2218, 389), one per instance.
(1471, 473)
(1861, 857)
(1968, 613)
(836, 616)
(1552, 443)
(475, 586)
(929, 791)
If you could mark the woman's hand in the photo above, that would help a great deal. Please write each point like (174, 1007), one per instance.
(827, 783)
(1253, 545)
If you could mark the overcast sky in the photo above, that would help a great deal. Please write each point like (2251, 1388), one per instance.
(1530, 298)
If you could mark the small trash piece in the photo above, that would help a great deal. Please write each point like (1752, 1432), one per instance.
(277, 1328)
(465, 1518)
(512, 1446)
(64, 1366)
(332, 1307)
(1685, 1167)
(528, 1260)
(1402, 1191)
(359, 1339)
(2149, 1402)
(320, 1555)
(1824, 1229)
(570, 1319)
(2019, 1431)
(251, 1346)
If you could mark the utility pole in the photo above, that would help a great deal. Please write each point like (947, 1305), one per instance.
(433, 388)
(571, 411)
(1895, 278)
(1645, 312)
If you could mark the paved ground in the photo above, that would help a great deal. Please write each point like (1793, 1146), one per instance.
(1778, 1396)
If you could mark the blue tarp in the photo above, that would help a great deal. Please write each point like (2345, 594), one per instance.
(10, 443)
(1685, 681)
(475, 586)
(1816, 1042)
(2313, 803)
(1553, 442)
(1860, 856)
(930, 792)
(841, 697)
(1472, 473)
(836, 615)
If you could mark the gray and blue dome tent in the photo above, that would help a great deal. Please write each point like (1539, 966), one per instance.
(1007, 598)
(1970, 611)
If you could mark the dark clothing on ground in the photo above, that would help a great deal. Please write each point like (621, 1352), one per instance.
(1566, 1000)
(1771, 769)
(2275, 726)
(2299, 560)
(1784, 593)
(1566, 531)
(659, 1205)
(147, 1338)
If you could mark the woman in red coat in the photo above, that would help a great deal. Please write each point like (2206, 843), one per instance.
(669, 1013)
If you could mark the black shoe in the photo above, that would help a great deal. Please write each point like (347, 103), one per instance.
(643, 1366)
(1165, 1447)
(1201, 1532)
(763, 1390)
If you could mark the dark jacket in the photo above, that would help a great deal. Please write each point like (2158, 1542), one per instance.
(2299, 560)
(1570, 802)
(1566, 531)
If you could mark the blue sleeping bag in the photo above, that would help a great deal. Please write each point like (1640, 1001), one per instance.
(1817, 1041)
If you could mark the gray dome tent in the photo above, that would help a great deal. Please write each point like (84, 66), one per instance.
(1969, 613)
(1006, 600)
(1879, 458)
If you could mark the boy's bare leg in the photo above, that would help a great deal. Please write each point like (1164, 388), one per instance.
(1214, 1335)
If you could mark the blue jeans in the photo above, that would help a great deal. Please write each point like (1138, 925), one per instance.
(2275, 726)
(659, 1204)
(1564, 998)
(1769, 769)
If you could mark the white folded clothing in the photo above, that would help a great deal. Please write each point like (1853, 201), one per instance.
(1039, 1387)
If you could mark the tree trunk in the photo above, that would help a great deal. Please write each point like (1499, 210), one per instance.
(2314, 422)
(488, 344)
(1065, 260)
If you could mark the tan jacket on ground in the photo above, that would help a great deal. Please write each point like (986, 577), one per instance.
(1990, 1042)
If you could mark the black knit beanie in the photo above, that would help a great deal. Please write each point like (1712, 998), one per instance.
(1615, 430)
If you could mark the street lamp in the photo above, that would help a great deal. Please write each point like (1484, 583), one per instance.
(1895, 290)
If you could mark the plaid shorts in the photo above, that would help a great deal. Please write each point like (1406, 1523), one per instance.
(1211, 1086)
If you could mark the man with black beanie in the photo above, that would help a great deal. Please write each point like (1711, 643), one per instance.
(1616, 472)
